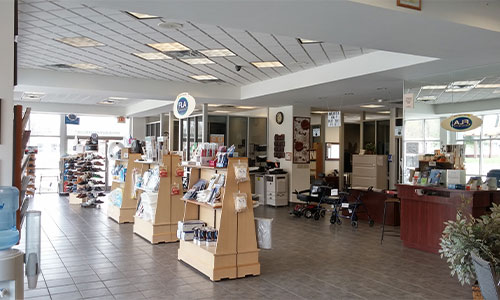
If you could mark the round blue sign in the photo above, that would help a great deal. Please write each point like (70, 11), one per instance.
(182, 106)
(461, 123)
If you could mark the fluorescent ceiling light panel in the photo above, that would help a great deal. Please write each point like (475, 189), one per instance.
(204, 77)
(456, 89)
(117, 98)
(306, 41)
(434, 87)
(106, 102)
(462, 86)
(267, 64)
(197, 61)
(214, 105)
(319, 112)
(246, 107)
(141, 16)
(385, 112)
(371, 106)
(222, 111)
(152, 55)
(166, 47)
(488, 86)
(80, 42)
(86, 66)
(426, 98)
(217, 52)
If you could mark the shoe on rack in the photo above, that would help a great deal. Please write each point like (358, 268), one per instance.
(81, 195)
(96, 176)
(98, 163)
(88, 204)
(101, 194)
(98, 201)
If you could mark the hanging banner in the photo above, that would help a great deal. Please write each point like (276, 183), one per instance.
(462, 122)
(71, 119)
(408, 100)
(334, 118)
(184, 105)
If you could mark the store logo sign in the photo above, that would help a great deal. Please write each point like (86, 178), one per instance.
(461, 123)
(184, 105)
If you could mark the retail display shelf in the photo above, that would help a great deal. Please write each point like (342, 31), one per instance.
(146, 162)
(184, 164)
(146, 190)
(118, 181)
(216, 205)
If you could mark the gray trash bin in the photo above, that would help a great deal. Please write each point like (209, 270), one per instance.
(263, 228)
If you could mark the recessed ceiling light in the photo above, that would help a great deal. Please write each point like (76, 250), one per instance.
(246, 107)
(141, 16)
(488, 86)
(32, 96)
(166, 47)
(267, 64)
(371, 106)
(117, 98)
(106, 102)
(80, 41)
(380, 100)
(152, 55)
(319, 112)
(222, 111)
(204, 77)
(197, 61)
(217, 52)
(426, 98)
(214, 105)
(433, 87)
(385, 112)
(85, 66)
(306, 41)
(462, 86)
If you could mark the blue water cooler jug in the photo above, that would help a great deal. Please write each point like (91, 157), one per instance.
(9, 204)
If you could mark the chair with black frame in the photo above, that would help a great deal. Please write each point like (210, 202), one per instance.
(312, 199)
(392, 197)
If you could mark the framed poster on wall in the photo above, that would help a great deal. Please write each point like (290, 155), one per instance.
(301, 140)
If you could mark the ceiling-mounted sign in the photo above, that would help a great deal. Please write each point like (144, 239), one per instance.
(121, 119)
(184, 105)
(463, 122)
(334, 118)
(71, 119)
(408, 100)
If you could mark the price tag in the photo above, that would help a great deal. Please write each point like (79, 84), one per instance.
(334, 192)
(345, 205)
(432, 164)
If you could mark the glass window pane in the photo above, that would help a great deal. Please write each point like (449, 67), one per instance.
(432, 129)
(472, 153)
(238, 134)
(491, 156)
(414, 130)
(431, 146)
(45, 124)
(103, 126)
(48, 152)
(491, 126)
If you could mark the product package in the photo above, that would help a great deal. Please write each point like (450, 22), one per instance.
(240, 202)
(241, 172)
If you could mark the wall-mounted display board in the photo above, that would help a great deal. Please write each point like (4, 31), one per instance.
(301, 139)
(279, 145)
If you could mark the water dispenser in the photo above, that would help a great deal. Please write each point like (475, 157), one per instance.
(12, 260)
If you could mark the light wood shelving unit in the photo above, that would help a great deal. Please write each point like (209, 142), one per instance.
(235, 254)
(125, 213)
(169, 208)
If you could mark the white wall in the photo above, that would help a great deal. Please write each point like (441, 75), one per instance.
(138, 128)
(6, 90)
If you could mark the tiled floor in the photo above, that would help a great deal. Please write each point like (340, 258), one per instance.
(86, 255)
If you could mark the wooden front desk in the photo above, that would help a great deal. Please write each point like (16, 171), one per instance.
(423, 216)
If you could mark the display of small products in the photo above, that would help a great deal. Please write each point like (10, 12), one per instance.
(150, 180)
(207, 192)
(119, 173)
(185, 229)
(205, 236)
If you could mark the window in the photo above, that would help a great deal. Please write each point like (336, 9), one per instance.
(482, 146)
(103, 126)
(421, 137)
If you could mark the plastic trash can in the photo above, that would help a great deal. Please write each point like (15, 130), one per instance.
(263, 228)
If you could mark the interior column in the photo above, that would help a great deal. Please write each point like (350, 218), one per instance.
(6, 90)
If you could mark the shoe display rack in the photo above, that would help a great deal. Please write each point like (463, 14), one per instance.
(124, 213)
(169, 208)
(87, 186)
(30, 159)
(235, 254)
(20, 178)
(67, 177)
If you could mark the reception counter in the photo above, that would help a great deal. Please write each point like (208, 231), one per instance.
(425, 209)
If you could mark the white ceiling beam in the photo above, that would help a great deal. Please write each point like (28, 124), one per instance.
(61, 108)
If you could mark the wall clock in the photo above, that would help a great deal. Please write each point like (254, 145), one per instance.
(279, 117)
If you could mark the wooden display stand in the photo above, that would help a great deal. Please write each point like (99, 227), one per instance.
(236, 254)
(125, 213)
(169, 208)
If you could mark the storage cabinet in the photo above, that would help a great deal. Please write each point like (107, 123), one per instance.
(276, 189)
(369, 170)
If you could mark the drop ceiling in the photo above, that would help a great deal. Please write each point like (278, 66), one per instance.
(42, 23)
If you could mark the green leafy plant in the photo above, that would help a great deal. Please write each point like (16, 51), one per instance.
(370, 148)
(467, 234)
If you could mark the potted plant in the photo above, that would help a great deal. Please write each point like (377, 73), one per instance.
(370, 148)
(467, 234)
